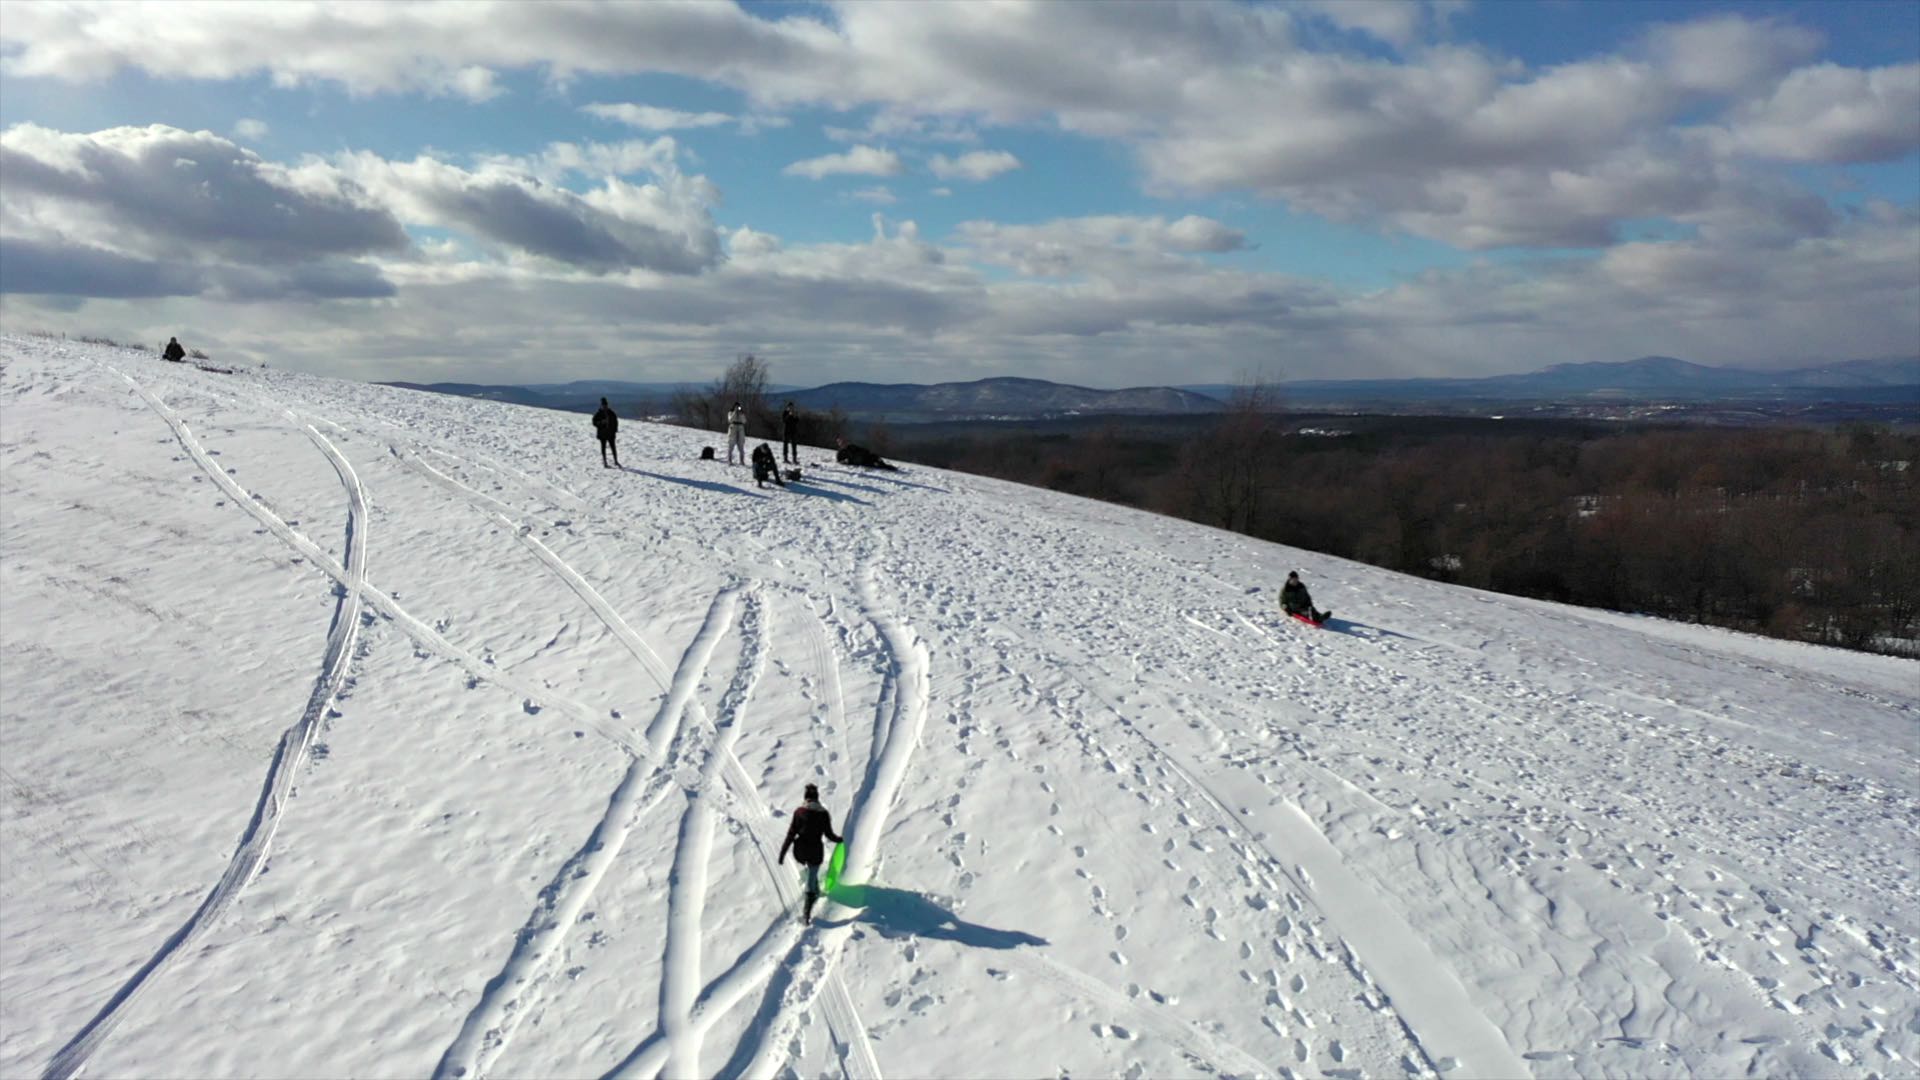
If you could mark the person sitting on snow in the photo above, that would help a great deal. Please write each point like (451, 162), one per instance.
(1296, 601)
(764, 468)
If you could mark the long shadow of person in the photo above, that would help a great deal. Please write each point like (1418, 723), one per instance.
(900, 913)
(703, 485)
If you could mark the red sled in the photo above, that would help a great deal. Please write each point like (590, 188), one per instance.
(1321, 621)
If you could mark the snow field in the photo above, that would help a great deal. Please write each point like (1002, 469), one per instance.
(1107, 812)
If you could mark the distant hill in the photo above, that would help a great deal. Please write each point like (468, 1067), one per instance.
(997, 398)
(1648, 377)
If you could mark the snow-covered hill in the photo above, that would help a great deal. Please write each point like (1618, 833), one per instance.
(346, 730)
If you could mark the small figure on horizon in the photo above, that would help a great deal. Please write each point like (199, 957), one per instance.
(790, 435)
(1297, 602)
(855, 454)
(737, 433)
(810, 823)
(607, 425)
(174, 351)
(764, 468)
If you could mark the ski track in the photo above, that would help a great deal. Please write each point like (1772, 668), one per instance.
(678, 1053)
(289, 755)
(1291, 846)
(501, 1005)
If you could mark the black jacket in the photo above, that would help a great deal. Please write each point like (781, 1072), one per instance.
(605, 423)
(174, 351)
(1294, 598)
(810, 823)
(789, 422)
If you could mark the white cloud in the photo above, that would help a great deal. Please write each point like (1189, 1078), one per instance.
(1103, 246)
(81, 214)
(977, 165)
(250, 129)
(664, 225)
(879, 195)
(654, 118)
(859, 161)
(1834, 114)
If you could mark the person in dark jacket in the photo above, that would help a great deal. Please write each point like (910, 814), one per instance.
(855, 454)
(1295, 600)
(790, 435)
(173, 351)
(811, 823)
(764, 468)
(606, 425)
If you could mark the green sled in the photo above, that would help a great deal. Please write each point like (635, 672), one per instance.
(834, 865)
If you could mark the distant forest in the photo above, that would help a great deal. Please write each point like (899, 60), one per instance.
(1811, 534)
(1799, 533)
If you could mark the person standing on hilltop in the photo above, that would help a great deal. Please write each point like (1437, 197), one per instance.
(737, 433)
(810, 823)
(790, 435)
(607, 425)
(173, 351)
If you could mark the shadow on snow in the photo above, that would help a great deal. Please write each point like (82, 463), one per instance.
(900, 913)
(704, 485)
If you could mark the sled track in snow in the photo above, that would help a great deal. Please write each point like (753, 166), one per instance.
(653, 1054)
(493, 1018)
(289, 755)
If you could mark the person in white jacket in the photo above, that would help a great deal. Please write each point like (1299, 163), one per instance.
(737, 433)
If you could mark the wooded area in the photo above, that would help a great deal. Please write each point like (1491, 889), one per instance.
(1799, 533)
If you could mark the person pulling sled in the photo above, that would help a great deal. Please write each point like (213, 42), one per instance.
(1297, 602)
(811, 822)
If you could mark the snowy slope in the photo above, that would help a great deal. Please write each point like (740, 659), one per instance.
(347, 730)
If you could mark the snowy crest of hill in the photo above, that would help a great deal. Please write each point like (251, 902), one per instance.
(346, 730)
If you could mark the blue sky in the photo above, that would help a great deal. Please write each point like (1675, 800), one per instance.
(1107, 194)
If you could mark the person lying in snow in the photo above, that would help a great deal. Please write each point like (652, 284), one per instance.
(854, 454)
(1296, 601)
(764, 468)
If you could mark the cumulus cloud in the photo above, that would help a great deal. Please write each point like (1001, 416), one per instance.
(158, 211)
(1103, 245)
(859, 161)
(1829, 113)
(1210, 97)
(653, 117)
(248, 128)
(977, 165)
(664, 226)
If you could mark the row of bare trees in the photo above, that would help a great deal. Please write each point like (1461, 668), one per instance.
(745, 383)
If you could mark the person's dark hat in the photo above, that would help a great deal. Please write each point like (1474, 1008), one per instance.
(1293, 575)
(813, 791)
(603, 401)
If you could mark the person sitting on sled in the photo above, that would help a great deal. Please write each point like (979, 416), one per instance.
(811, 822)
(1295, 600)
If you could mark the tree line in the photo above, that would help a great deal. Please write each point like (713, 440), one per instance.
(1807, 534)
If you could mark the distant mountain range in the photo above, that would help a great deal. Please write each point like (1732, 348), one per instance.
(1650, 378)
(999, 398)
(1661, 377)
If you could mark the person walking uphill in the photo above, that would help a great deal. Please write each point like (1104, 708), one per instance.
(737, 433)
(790, 435)
(606, 425)
(810, 823)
